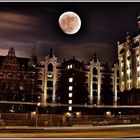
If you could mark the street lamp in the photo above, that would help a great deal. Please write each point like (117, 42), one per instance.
(120, 113)
(36, 122)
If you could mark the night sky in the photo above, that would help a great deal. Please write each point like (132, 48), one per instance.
(27, 25)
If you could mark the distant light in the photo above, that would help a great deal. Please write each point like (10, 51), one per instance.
(120, 112)
(34, 113)
(138, 17)
(78, 114)
(38, 104)
(70, 94)
(21, 88)
(108, 114)
(68, 114)
(70, 88)
(68, 66)
(70, 80)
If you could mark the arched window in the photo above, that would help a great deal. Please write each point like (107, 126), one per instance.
(94, 71)
(95, 79)
(50, 67)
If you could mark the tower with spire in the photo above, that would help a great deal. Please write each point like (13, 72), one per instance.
(50, 78)
(33, 59)
(94, 80)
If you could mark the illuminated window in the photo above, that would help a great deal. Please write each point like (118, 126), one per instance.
(70, 66)
(70, 80)
(128, 62)
(128, 71)
(21, 88)
(70, 94)
(49, 75)
(70, 108)
(39, 74)
(70, 101)
(70, 88)
(50, 67)
(138, 68)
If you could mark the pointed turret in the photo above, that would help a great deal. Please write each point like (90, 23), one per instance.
(11, 52)
(95, 57)
(128, 37)
(33, 58)
(51, 53)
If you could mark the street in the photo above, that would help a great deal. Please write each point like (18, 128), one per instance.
(119, 131)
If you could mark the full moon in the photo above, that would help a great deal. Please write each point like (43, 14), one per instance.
(69, 22)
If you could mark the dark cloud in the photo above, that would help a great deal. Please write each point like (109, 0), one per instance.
(25, 25)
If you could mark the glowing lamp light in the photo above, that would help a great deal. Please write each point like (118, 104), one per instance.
(34, 113)
(68, 114)
(108, 114)
(78, 114)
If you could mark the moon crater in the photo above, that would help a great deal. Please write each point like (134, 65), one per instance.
(69, 22)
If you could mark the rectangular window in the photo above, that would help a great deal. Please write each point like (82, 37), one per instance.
(70, 80)
(49, 76)
(70, 94)
(70, 108)
(70, 88)
(49, 84)
(70, 101)
(39, 82)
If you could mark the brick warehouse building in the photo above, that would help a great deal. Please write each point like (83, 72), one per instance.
(17, 79)
(48, 81)
(42, 80)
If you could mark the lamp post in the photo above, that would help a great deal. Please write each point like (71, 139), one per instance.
(36, 121)
(120, 113)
